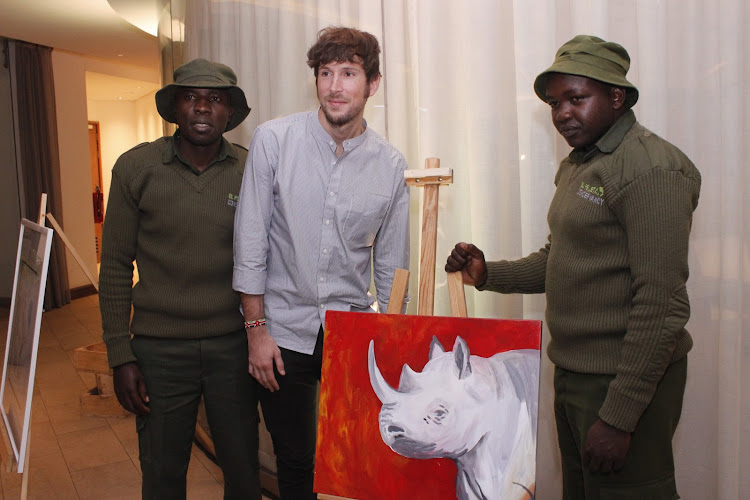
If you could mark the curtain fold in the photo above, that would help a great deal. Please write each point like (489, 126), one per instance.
(38, 153)
(458, 86)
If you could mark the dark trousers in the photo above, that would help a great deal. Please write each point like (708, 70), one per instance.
(177, 373)
(291, 416)
(648, 473)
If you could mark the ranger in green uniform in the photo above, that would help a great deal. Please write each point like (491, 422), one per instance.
(614, 272)
(171, 209)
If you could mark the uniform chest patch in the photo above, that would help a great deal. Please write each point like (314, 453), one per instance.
(593, 194)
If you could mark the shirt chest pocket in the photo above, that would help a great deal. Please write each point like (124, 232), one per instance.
(364, 218)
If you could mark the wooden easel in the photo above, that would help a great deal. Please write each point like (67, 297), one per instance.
(430, 178)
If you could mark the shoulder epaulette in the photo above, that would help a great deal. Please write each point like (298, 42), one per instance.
(138, 146)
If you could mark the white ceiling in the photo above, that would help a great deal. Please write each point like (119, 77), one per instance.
(91, 28)
(100, 87)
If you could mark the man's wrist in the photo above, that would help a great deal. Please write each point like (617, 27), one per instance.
(253, 323)
(482, 280)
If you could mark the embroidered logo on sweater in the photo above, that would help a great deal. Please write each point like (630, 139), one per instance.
(233, 199)
(594, 194)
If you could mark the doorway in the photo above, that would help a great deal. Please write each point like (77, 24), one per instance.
(95, 163)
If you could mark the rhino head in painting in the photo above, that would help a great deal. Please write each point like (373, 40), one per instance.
(479, 412)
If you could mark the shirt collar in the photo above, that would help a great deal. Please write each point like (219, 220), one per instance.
(609, 141)
(226, 149)
(321, 135)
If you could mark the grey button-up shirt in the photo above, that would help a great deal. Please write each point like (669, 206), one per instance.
(310, 227)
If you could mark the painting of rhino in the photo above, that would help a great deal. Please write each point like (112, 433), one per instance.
(479, 412)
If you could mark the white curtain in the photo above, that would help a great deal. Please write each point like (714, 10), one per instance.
(458, 86)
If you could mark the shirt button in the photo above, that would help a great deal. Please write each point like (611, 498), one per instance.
(325, 250)
(322, 306)
(321, 279)
(328, 221)
(330, 194)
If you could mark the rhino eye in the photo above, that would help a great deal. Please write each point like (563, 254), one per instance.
(437, 415)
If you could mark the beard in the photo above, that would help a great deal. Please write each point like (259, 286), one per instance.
(349, 116)
(341, 120)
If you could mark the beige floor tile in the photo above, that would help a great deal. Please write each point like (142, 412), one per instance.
(54, 367)
(118, 480)
(58, 374)
(49, 355)
(38, 410)
(46, 337)
(61, 392)
(11, 483)
(209, 464)
(91, 448)
(73, 337)
(202, 484)
(197, 470)
(204, 490)
(43, 439)
(124, 429)
(49, 478)
(131, 448)
(92, 322)
(66, 418)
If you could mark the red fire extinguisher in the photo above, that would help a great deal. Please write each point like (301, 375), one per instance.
(98, 205)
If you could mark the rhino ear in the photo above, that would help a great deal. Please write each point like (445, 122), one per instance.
(436, 347)
(461, 355)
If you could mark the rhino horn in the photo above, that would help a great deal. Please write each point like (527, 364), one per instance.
(462, 356)
(386, 394)
(408, 380)
(436, 347)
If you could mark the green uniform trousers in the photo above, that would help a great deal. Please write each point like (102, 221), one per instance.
(648, 473)
(177, 373)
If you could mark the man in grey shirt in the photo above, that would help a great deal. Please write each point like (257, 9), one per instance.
(323, 205)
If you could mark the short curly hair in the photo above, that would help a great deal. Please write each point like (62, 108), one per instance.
(345, 44)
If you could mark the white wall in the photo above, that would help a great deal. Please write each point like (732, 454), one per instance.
(72, 124)
(122, 125)
(149, 125)
(72, 132)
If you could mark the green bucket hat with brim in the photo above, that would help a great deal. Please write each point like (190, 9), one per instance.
(203, 74)
(593, 58)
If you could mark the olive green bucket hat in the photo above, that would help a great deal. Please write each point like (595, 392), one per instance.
(203, 74)
(593, 58)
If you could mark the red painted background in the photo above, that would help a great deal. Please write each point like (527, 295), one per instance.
(351, 459)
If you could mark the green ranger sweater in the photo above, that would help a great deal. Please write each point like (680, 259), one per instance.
(615, 265)
(177, 224)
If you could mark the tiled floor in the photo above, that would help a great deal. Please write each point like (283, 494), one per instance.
(74, 456)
